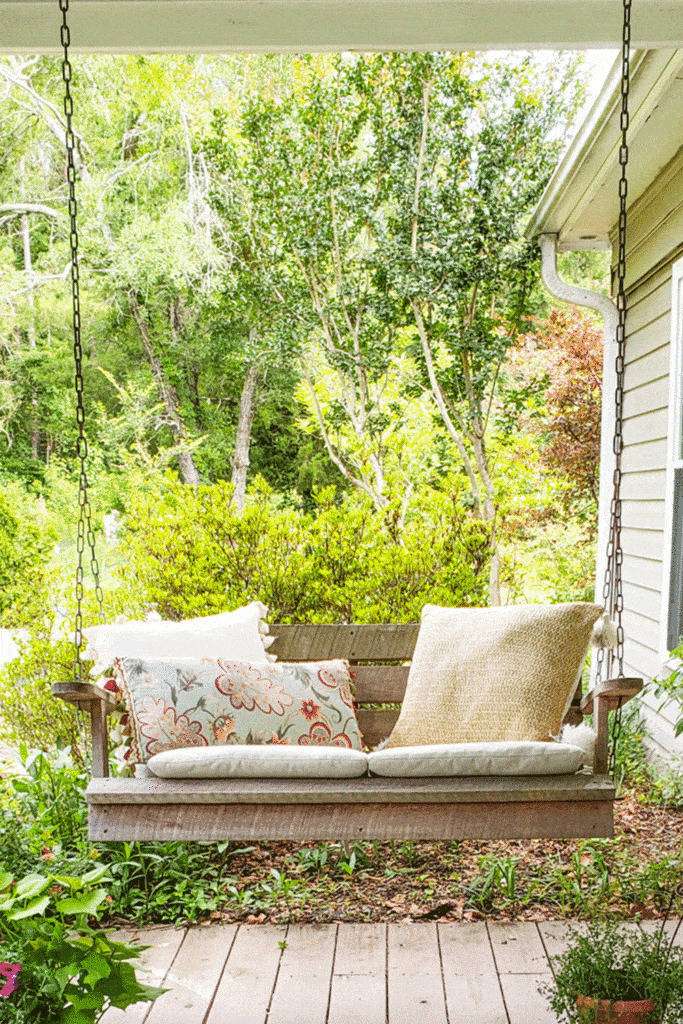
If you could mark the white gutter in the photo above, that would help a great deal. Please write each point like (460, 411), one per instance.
(607, 309)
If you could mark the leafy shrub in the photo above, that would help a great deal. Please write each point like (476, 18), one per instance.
(44, 814)
(671, 689)
(190, 554)
(29, 714)
(26, 544)
(70, 971)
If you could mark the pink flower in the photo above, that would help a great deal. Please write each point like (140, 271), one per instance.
(9, 971)
(47, 854)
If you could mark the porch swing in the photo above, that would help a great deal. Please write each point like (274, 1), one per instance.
(368, 808)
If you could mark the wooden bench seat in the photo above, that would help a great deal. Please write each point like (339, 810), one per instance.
(497, 807)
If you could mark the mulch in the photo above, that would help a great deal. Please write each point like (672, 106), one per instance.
(424, 881)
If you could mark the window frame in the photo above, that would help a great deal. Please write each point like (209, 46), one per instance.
(672, 589)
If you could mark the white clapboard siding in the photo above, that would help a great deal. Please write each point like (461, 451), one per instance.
(650, 337)
(643, 484)
(651, 365)
(654, 222)
(643, 515)
(647, 455)
(650, 301)
(649, 426)
(655, 241)
(646, 572)
(644, 599)
(643, 543)
(648, 395)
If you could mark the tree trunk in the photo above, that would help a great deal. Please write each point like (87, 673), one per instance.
(240, 460)
(168, 396)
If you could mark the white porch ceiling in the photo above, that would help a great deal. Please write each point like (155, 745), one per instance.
(193, 26)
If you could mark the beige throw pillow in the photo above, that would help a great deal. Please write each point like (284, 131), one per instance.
(493, 674)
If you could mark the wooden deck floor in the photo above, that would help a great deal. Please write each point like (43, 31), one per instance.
(483, 973)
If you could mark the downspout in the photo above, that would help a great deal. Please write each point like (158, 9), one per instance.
(607, 309)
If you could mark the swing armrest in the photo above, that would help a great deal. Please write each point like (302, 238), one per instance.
(99, 703)
(603, 698)
(83, 695)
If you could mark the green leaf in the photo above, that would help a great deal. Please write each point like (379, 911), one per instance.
(37, 906)
(30, 885)
(5, 879)
(97, 967)
(88, 903)
(96, 875)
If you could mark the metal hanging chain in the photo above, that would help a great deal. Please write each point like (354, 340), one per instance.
(613, 597)
(85, 527)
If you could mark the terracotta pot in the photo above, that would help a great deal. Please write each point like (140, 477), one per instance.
(604, 1011)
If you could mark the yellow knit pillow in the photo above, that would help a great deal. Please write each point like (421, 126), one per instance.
(493, 673)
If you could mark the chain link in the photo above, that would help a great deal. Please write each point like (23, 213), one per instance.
(613, 597)
(85, 532)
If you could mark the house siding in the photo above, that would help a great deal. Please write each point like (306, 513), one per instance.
(655, 242)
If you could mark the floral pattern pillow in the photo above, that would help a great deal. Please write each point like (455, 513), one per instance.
(212, 701)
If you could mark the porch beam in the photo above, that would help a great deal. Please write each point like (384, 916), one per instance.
(221, 26)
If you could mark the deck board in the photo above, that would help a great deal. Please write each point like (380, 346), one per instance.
(358, 994)
(302, 991)
(415, 983)
(194, 976)
(403, 973)
(473, 993)
(246, 987)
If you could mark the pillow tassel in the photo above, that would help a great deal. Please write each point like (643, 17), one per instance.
(604, 632)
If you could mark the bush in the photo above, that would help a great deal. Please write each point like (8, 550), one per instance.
(29, 714)
(26, 545)
(70, 972)
(190, 554)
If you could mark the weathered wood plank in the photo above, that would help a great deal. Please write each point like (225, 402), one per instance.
(303, 983)
(367, 789)
(522, 966)
(246, 987)
(194, 975)
(652, 928)
(151, 968)
(376, 724)
(473, 994)
(380, 684)
(517, 948)
(415, 985)
(212, 822)
(555, 936)
(383, 642)
(525, 1004)
(358, 993)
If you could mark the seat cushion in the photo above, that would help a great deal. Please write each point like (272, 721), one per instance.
(205, 702)
(241, 634)
(493, 674)
(443, 759)
(260, 762)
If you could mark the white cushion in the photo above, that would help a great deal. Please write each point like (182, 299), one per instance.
(259, 761)
(235, 636)
(502, 758)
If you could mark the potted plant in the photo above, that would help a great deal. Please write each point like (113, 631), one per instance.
(607, 976)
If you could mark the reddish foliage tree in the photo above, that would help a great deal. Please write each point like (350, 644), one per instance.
(565, 355)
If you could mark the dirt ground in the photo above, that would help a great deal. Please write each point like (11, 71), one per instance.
(631, 875)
